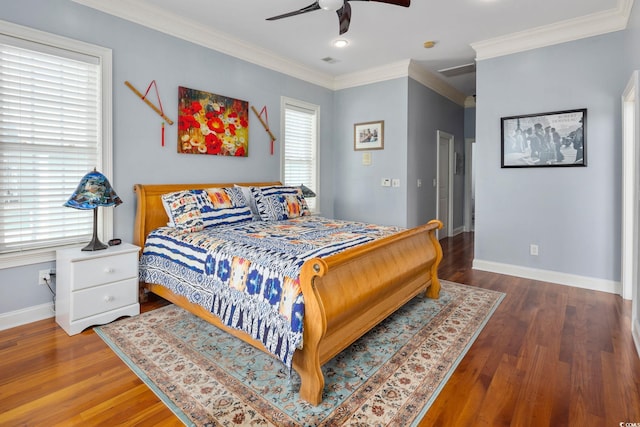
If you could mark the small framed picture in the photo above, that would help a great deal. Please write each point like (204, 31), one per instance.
(368, 136)
(545, 140)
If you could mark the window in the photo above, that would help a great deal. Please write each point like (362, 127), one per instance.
(300, 148)
(55, 119)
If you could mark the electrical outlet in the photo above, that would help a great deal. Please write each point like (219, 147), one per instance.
(533, 250)
(44, 276)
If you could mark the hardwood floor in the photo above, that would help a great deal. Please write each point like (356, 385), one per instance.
(551, 355)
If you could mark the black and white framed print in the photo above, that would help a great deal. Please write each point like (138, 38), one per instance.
(557, 138)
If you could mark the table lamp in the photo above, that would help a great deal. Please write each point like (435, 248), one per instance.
(93, 191)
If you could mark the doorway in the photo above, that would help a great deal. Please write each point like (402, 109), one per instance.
(444, 187)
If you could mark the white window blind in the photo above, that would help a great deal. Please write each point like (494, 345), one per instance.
(50, 136)
(301, 146)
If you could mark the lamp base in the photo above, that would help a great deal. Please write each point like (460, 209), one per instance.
(95, 244)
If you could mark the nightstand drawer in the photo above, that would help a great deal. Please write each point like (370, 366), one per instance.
(97, 271)
(100, 299)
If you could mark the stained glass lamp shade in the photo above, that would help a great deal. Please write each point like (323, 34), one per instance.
(93, 191)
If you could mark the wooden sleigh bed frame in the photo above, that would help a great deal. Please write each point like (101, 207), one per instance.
(345, 294)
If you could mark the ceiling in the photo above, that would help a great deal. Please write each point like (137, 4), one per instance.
(382, 37)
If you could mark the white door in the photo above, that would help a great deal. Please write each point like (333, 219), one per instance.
(631, 201)
(445, 182)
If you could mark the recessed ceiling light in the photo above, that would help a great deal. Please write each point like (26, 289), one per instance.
(340, 43)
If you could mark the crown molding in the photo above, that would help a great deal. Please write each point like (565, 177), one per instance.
(141, 13)
(372, 75)
(434, 83)
(564, 31)
(470, 102)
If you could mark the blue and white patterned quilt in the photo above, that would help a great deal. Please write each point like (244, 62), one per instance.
(247, 274)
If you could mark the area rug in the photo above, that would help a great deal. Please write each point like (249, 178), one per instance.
(388, 377)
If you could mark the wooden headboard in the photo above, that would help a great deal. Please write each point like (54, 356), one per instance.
(150, 213)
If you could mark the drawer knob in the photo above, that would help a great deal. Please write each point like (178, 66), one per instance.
(109, 270)
(108, 298)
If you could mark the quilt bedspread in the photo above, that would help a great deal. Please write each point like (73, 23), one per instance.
(247, 274)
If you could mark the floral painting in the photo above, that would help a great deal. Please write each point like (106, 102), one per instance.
(212, 124)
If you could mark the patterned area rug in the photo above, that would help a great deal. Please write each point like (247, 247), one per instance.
(388, 377)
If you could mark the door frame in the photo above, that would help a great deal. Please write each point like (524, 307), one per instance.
(630, 198)
(449, 219)
(468, 184)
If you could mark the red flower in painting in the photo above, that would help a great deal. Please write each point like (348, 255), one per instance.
(214, 145)
(216, 125)
(186, 122)
(195, 107)
(243, 122)
(210, 115)
(239, 152)
(232, 129)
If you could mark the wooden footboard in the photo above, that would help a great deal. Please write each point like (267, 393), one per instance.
(345, 294)
(349, 293)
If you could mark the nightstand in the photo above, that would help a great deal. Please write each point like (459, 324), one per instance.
(96, 287)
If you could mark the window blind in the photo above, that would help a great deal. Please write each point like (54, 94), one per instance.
(300, 147)
(50, 111)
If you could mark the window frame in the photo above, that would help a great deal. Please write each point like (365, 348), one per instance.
(284, 102)
(105, 144)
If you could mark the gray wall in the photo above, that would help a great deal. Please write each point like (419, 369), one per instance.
(358, 193)
(573, 214)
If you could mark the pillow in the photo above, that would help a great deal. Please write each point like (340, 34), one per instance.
(275, 203)
(251, 202)
(194, 210)
(183, 210)
(226, 206)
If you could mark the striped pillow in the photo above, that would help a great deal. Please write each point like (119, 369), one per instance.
(194, 210)
(275, 203)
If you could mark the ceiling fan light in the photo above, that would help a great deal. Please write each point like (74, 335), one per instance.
(330, 4)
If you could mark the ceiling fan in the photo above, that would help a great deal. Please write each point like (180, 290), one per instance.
(342, 8)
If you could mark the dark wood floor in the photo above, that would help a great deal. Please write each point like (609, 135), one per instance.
(551, 355)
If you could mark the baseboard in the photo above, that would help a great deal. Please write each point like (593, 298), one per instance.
(550, 276)
(458, 230)
(26, 315)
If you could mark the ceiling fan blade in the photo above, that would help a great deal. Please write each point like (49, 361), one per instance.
(344, 17)
(310, 8)
(405, 3)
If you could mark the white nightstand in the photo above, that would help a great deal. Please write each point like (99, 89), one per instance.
(96, 287)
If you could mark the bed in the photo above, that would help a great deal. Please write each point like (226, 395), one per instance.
(345, 294)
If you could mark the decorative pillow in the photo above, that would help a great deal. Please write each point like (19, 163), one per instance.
(183, 210)
(194, 210)
(225, 206)
(275, 203)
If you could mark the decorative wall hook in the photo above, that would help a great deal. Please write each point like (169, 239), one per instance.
(265, 123)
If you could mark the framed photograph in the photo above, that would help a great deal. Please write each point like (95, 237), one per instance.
(545, 140)
(368, 136)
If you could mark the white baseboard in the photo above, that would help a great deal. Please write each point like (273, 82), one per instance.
(550, 276)
(458, 230)
(26, 315)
